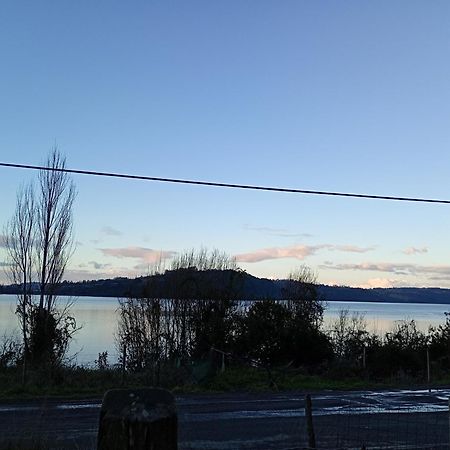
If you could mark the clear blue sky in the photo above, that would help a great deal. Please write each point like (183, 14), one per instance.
(349, 96)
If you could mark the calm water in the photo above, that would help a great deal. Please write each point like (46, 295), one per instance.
(97, 316)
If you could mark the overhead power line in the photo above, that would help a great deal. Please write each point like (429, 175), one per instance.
(227, 185)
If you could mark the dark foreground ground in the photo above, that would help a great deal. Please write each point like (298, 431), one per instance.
(384, 419)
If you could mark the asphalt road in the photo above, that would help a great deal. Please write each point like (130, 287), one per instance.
(384, 419)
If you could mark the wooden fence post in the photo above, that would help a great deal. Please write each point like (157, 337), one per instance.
(138, 419)
(449, 421)
(309, 422)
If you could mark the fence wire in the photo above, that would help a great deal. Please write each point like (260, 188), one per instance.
(344, 428)
(378, 429)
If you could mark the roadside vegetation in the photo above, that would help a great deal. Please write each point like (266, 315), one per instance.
(390, 362)
(189, 328)
(201, 337)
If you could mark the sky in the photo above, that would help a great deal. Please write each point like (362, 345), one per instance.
(345, 96)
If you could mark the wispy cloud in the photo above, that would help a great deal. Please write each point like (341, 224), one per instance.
(110, 231)
(2, 240)
(99, 266)
(282, 232)
(351, 248)
(439, 278)
(296, 251)
(373, 267)
(86, 274)
(394, 268)
(146, 255)
(415, 250)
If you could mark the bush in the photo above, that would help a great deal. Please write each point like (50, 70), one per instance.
(272, 333)
(263, 333)
(10, 351)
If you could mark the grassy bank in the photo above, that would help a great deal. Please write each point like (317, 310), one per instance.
(83, 383)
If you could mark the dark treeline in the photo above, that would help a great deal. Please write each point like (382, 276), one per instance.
(252, 288)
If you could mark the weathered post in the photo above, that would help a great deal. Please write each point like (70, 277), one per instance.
(449, 421)
(309, 422)
(138, 419)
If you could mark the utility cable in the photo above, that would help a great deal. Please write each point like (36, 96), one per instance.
(226, 185)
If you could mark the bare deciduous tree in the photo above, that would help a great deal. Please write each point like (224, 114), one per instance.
(39, 245)
(349, 334)
(54, 227)
(19, 240)
(302, 295)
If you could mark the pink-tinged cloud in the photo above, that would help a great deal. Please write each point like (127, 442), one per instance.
(295, 251)
(377, 283)
(415, 250)
(373, 283)
(146, 255)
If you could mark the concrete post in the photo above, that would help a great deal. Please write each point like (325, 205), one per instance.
(138, 419)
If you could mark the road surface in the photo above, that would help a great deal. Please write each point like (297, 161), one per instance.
(384, 419)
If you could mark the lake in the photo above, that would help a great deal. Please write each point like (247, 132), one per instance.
(97, 317)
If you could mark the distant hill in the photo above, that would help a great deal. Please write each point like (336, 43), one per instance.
(387, 295)
(243, 285)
